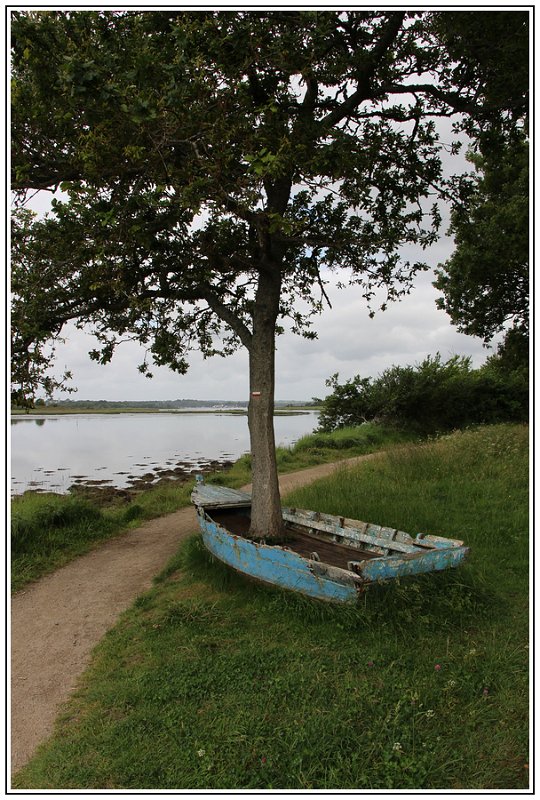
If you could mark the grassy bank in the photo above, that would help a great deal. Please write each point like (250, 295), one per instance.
(213, 682)
(49, 530)
(319, 448)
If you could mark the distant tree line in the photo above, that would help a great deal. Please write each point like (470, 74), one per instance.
(432, 396)
(157, 404)
(139, 403)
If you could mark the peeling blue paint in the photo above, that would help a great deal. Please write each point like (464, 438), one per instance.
(392, 553)
(272, 564)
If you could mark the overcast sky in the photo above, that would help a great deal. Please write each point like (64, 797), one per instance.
(349, 342)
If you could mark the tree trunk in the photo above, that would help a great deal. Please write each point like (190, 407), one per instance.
(266, 521)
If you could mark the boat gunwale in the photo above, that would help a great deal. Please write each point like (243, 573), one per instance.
(320, 569)
(317, 565)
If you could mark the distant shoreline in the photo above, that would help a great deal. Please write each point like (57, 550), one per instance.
(59, 411)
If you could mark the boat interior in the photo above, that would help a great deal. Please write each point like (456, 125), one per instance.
(307, 543)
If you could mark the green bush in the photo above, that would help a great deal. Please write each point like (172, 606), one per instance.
(432, 396)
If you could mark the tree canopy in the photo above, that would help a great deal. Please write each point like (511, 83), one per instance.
(217, 163)
(429, 397)
(486, 281)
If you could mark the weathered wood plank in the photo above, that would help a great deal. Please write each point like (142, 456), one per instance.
(206, 495)
(373, 535)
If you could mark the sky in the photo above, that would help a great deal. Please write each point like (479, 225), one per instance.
(348, 342)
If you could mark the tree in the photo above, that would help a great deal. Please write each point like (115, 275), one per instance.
(429, 397)
(486, 281)
(34, 327)
(215, 164)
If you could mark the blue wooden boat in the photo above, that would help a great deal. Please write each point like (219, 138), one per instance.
(322, 556)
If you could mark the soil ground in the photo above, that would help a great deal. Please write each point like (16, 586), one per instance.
(57, 621)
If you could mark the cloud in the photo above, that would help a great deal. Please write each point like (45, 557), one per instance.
(349, 342)
(213, 379)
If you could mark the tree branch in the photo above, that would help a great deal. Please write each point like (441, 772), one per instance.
(260, 97)
(196, 143)
(310, 97)
(365, 77)
(229, 317)
(452, 99)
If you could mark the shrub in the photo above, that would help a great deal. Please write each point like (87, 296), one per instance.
(432, 396)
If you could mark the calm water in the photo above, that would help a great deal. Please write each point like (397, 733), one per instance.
(52, 452)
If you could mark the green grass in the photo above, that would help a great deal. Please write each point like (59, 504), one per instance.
(212, 682)
(320, 448)
(49, 530)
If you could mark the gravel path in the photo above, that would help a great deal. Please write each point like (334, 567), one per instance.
(57, 621)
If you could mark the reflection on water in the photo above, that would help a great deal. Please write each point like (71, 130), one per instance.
(40, 421)
(117, 449)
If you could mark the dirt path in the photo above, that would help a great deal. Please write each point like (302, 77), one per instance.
(57, 621)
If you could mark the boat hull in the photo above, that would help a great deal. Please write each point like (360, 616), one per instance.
(274, 565)
(353, 554)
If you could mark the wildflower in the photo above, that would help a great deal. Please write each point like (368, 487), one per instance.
(371, 663)
(438, 667)
(201, 753)
(397, 747)
(430, 713)
(263, 760)
(485, 691)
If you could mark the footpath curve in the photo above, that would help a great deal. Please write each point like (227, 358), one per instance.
(57, 621)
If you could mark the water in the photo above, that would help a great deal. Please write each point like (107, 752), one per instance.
(50, 453)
